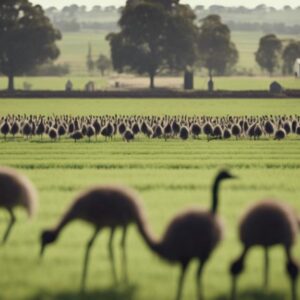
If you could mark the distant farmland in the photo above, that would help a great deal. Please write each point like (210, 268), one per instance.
(169, 176)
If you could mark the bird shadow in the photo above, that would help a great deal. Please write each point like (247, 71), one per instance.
(124, 293)
(254, 294)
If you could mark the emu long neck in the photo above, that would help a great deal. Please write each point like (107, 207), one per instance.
(215, 196)
(145, 231)
(65, 220)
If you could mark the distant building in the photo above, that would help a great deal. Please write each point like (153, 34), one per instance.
(297, 67)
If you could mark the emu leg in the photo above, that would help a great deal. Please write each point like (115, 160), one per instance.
(124, 254)
(199, 282)
(86, 259)
(111, 255)
(293, 271)
(9, 227)
(181, 281)
(267, 263)
(236, 269)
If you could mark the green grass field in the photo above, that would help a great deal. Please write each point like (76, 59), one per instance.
(220, 83)
(169, 176)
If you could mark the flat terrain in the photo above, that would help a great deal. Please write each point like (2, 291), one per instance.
(135, 82)
(169, 176)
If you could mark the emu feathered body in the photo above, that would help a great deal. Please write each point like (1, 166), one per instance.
(17, 190)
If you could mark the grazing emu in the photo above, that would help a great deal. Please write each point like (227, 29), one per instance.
(195, 130)
(90, 131)
(236, 130)
(53, 134)
(40, 130)
(208, 129)
(280, 134)
(15, 190)
(175, 127)
(218, 132)
(135, 128)
(192, 234)
(5, 128)
(15, 128)
(226, 133)
(108, 131)
(266, 224)
(27, 129)
(269, 127)
(77, 135)
(168, 131)
(128, 135)
(257, 132)
(103, 207)
(184, 133)
(287, 127)
(61, 130)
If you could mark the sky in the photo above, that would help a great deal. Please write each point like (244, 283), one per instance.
(251, 3)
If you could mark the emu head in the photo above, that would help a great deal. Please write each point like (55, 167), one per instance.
(47, 237)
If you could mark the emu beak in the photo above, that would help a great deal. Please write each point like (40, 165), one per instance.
(233, 177)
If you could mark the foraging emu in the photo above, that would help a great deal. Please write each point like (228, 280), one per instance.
(103, 207)
(15, 190)
(266, 224)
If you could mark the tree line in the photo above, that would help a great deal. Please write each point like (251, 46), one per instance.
(156, 36)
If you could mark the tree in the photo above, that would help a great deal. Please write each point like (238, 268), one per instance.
(153, 37)
(103, 63)
(268, 53)
(290, 53)
(216, 50)
(89, 60)
(27, 38)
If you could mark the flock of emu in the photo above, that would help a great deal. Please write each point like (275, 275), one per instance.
(191, 234)
(164, 127)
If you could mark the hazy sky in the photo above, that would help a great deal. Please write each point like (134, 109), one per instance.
(252, 3)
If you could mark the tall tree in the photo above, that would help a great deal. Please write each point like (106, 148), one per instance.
(216, 50)
(103, 64)
(153, 37)
(268, 53)
(89, 59)
(290, 53)
(27, 38)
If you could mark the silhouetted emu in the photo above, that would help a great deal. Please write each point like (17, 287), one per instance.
(192, 234)
(15, 190)
(266, 224)
(103, 207)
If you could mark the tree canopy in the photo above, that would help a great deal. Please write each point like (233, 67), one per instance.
(27, 38)
(216, 50)
(154, 35)
(290, 53)
(268, 53)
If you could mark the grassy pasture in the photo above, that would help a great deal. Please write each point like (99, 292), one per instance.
(169, 176)
(220, 83)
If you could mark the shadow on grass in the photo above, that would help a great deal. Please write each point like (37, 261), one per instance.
(254, 294)
(121, 293)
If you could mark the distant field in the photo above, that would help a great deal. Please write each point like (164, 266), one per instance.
(74, 48)
(169, 176)
(212, 107)
(221, 83)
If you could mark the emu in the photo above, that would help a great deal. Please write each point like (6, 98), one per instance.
(194, 233)
(15, 190)
(266, 224)
(103, 207)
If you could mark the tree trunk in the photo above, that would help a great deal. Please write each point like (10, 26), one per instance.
(11, 82)
(151, 81)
